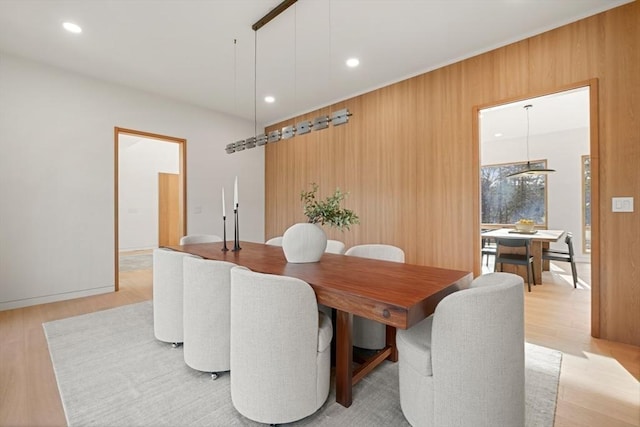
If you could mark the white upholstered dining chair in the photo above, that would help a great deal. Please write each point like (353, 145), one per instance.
(280, 348)
(335, 247)
(207, 308)
(369, 334)
(464, 365)
(168, 294)
(191, 239)
(274, 241)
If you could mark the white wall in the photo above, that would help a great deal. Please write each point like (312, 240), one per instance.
(57, 186)
(563, 151)
(141, 160)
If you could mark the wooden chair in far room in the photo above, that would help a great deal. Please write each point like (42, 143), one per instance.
(525, 259)
(488, 248)
(564, 256)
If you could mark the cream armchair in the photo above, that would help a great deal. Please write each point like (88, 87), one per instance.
(335, 247)
(464, 365)
(274, 241)
(199, 238)
(369, 334)
(168, 294)
(207, 306)
(280, 348)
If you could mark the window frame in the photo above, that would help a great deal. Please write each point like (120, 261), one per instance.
(543, 163)
(587, 197)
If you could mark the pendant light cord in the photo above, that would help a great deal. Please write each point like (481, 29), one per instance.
(330, 48)
(235, 75)
(295, 58)
(255, 83)
(529, 170)
(527, 108)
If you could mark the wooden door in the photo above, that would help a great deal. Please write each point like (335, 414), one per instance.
(168, 209)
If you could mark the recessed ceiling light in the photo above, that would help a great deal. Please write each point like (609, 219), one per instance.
(498, 135)
(353, 62)
(72, 28)
(270, 99)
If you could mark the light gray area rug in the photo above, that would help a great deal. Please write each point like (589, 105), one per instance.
(111, 371)
(135, 262)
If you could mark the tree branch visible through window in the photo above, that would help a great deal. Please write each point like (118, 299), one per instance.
(507, 200)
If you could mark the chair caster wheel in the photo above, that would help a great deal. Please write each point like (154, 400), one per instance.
(214, 376)
(175, 344)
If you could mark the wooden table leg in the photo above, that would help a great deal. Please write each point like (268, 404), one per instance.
(344, 358)
(545, 263)
(391, 342)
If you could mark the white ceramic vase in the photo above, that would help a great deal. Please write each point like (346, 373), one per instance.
(304, 242)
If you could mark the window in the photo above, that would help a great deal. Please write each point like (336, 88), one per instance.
(507, 200)
(586, 204)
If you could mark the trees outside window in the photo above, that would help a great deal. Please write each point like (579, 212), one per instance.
(506, 200)
(586, 204)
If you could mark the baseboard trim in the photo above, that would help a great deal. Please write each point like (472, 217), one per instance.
(27, 302)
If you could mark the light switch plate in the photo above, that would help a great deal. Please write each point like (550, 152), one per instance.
(622, 204)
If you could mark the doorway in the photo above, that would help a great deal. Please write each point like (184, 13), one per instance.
(558, 136)
(150, 194)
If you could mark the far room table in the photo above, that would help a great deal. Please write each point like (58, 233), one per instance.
(396, 294)
(540, 239)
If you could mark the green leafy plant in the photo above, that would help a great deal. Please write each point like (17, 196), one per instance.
(327, 211)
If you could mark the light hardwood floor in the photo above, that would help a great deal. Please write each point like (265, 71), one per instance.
(598, 381)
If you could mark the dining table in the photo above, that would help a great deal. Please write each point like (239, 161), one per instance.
(539, 238)
(398, 295)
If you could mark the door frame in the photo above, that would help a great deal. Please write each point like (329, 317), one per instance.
(182, 162)
(594, 152)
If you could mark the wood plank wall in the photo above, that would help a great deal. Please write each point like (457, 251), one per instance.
(409, 157)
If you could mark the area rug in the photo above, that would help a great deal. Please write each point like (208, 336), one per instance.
(135, 262)
(111, 371)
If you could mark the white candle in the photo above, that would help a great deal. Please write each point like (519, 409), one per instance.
(235, 194)
(223, 210)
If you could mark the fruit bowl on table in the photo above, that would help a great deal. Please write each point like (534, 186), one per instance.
(525, 226)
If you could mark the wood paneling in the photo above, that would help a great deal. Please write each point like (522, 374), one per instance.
(409, 155)
(168, 209)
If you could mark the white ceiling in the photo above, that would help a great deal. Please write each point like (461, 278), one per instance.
(184, 49)
(548, 114)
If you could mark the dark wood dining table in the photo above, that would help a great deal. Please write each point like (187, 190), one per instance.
(398, 295)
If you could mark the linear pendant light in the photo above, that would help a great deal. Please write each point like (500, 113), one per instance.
(529, 170)
(335, 118)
